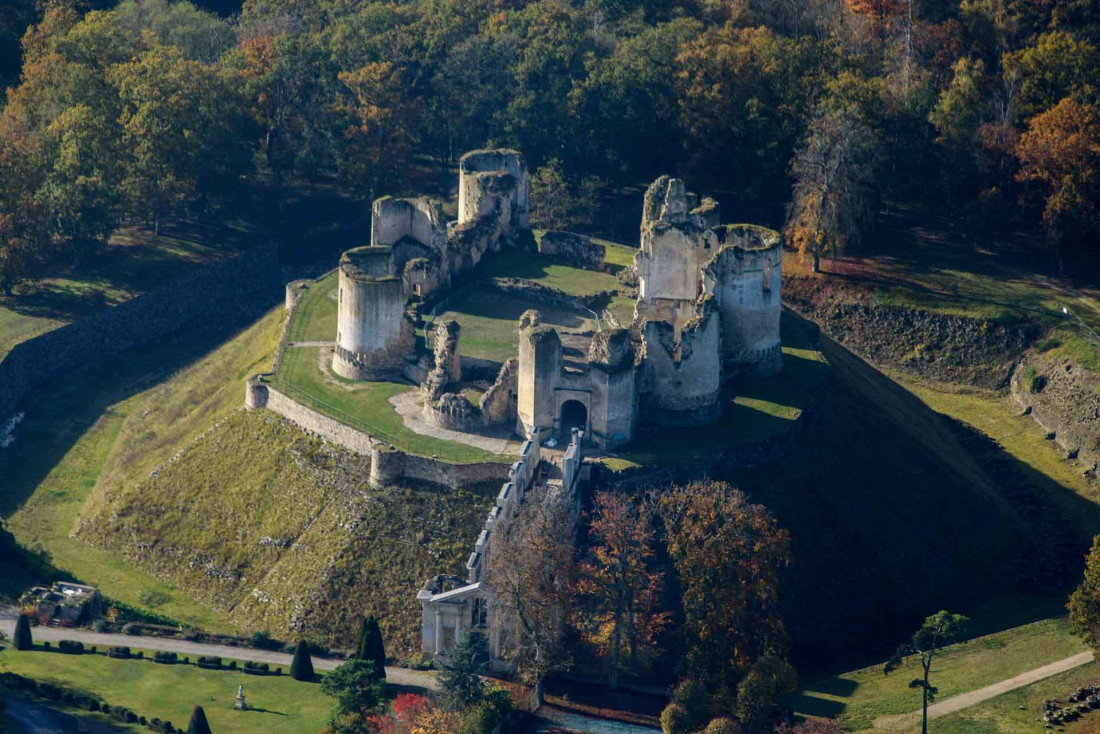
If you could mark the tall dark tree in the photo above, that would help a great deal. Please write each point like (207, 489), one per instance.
(301, 665)
(23, 639)
(198, 724)
(371, 647)
(1084, 604)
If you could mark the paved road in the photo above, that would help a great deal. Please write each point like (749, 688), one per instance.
(397, 676)
(551, 720)
(966, 700)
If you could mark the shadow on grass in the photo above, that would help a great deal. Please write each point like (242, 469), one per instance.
(60, 412)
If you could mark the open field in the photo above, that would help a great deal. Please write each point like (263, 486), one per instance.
(861, 696)
(280, 704)
(134, 262)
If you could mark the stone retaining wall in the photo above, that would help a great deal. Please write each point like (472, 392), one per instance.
(243, 287)
(389, 466)
(1064, 399)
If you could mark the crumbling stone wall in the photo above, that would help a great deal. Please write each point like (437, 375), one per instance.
(447, 368)
(745, 278)
(498, 404)
(683, 377)
(673, 250)
(1063, 398)
(573, 249)
(605, 388)
(482, 189)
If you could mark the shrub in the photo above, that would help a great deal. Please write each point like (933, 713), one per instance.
(101, 625)
(254, 668)
(675, 720)
(131, 629)
(71, 647)
(23, 639)
(47, 646)
(232, 665)
(167, 658)
(211, 662)
(120, 652)
(262, 641)
(723, 726)
(692, 696)
(301, 666)
(140, 655)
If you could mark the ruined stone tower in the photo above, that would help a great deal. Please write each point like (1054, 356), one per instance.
(492, 179)
(373, 331)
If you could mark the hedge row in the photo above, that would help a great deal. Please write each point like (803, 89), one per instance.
(78, 699)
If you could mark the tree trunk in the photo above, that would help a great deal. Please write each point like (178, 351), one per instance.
(539, 693)
(817, 261)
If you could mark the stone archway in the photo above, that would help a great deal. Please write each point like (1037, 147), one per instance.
(572, 414)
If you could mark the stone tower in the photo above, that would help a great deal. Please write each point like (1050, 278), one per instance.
(491, 178)
(373, 331)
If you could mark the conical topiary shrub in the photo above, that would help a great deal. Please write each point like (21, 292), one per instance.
(198, 723)
(23, 639)
(370, 646)
(301, 666)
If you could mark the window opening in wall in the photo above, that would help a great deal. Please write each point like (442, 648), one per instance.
(479, 616)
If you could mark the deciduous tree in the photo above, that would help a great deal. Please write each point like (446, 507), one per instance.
(833, 171)
(532, 575)
(728, 554)
(621, 585)
(1084, 604)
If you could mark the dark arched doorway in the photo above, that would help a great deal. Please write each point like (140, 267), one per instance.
(573, 414)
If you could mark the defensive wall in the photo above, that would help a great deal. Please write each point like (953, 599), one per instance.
(242, 287)
(389, 466)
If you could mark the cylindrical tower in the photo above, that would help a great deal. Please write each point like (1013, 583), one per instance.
(745, 278)
(373, 332)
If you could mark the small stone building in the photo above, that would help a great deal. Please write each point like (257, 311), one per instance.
(66, 603)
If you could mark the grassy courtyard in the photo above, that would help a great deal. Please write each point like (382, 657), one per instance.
(280, 704)
(862, 696)
(364, 405)
(133, 263)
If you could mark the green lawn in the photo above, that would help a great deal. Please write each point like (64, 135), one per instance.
(757, 408)
(861, 696)
(541, 269)
(489, 322)
(366, 406)
(315, 317)
(134, 262)
(113, 423)
(280, 704)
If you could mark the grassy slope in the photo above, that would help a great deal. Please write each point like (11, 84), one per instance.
(315, 317)
(863, 695)
(283, 533)
(134, 262)
(124, 407)
(891, 519)
(281, 704)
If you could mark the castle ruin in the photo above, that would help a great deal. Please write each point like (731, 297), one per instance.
(708, 308)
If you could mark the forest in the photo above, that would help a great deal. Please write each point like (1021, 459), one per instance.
(807, 116)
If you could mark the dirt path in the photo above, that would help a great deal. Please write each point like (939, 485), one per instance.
(397, 676)
(966, 700)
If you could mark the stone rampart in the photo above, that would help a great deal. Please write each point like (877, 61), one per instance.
(388, 465)
(573, 249)
(236, 289)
